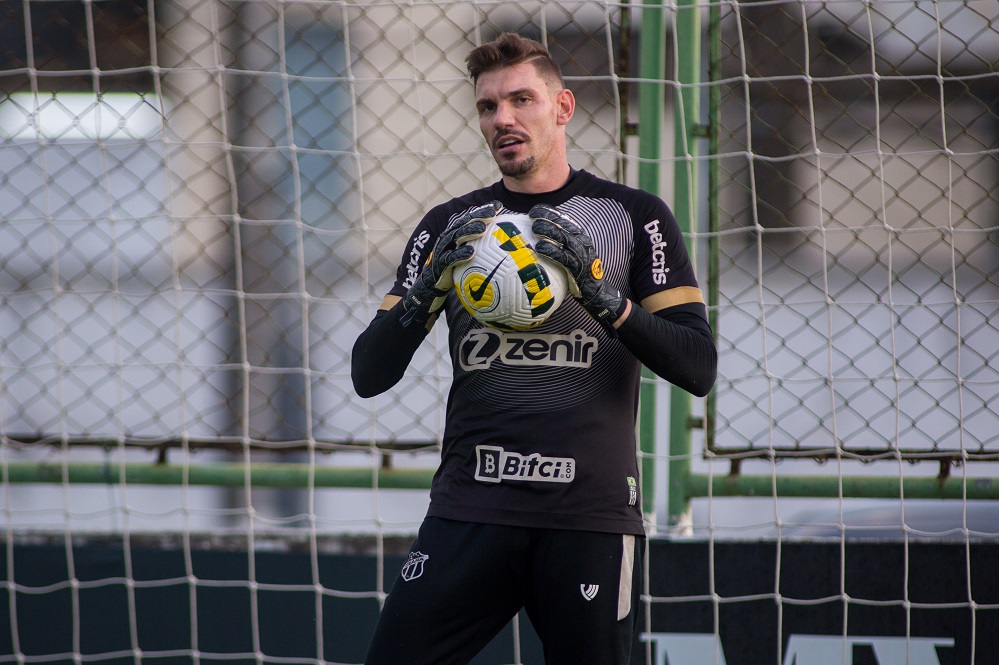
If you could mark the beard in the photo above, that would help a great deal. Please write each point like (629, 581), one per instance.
(517, 169)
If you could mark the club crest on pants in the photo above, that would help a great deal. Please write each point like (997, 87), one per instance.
(413, 568)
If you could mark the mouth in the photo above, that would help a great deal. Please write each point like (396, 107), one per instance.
(507, 144)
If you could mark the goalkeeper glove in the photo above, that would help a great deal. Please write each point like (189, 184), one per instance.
(564, 241)
(428, 293)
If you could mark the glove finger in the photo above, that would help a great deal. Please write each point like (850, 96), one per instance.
(463, 253)
(559, 245)
(559, 255)
(545, 247)
(469, 231)
(447, 262)
(487, 211)
(555, 253)
(554, 216)
(544, 228)
(479, 214)
(543, 211)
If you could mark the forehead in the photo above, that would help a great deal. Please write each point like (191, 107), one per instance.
(498, 83)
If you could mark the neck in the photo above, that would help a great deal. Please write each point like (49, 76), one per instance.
(539, 183)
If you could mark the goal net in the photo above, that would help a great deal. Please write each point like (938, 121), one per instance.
(204, 201)
(855, 238)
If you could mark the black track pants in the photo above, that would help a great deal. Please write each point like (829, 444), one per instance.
(465, 581)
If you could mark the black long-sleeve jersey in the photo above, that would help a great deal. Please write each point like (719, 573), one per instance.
(540, 425)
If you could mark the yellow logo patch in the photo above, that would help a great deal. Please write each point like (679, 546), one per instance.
(597, 269)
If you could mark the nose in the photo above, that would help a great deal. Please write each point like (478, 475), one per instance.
(503, 117)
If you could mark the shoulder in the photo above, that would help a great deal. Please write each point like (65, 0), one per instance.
(422, 238)
(594, 184)
(642, 206)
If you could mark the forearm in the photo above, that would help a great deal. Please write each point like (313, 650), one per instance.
(383, 351)
(677, 345)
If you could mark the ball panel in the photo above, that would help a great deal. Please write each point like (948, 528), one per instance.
(506, 284)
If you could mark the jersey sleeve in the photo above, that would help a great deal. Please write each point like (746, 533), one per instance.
(662, 274)
(416, 252)
(421, 242)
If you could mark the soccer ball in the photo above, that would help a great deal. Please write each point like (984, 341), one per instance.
(507, 285)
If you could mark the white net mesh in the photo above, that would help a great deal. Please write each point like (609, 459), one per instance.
(203, 203)
(858, 295)
(207, 200)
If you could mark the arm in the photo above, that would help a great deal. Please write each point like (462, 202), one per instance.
(675, 343)
(384, 350)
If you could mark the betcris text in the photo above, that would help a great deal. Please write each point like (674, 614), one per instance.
(659, 268)
(413, 265)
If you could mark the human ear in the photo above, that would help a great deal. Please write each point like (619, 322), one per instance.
(565, 104)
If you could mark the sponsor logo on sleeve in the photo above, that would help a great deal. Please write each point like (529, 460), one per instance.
(413, 266)
(659, 268)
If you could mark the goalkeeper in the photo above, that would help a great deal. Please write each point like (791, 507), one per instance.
(536, 501)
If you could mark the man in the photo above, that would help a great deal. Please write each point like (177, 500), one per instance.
(535, 504)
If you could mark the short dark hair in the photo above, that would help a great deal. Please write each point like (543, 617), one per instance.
(511, 49)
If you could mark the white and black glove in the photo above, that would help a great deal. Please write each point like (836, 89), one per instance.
(564, 241)
(428, 293)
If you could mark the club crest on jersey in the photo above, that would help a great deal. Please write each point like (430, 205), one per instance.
(589, 591)
(413, 567)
